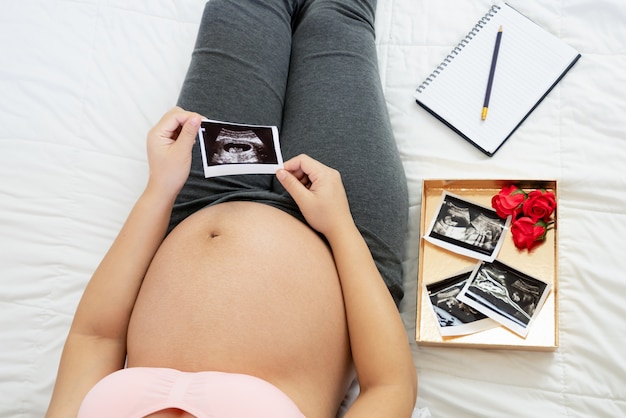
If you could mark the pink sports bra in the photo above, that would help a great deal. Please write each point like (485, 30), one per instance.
(139, 391)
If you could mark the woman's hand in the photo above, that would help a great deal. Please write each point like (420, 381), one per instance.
(169, 145)
(318, 192)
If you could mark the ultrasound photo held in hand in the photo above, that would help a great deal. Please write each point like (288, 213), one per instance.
(229, 149)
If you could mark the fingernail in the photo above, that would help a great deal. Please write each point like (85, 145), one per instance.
(281, 174)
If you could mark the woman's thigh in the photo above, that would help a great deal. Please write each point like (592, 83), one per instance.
(335, 111)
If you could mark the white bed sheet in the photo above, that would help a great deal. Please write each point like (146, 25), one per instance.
(81, 82)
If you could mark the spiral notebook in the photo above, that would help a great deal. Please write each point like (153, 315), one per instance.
(530, 62)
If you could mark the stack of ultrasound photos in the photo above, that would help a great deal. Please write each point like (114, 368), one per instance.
(490, 294)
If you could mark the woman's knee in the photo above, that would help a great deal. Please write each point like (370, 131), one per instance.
(324, 13)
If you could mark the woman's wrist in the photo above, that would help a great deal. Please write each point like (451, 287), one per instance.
(159, 194)
(156, 203)
(342, 232)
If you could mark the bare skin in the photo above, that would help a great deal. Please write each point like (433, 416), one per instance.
(242, 287)
(259, 294)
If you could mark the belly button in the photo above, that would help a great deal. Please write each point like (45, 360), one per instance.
(213, 235)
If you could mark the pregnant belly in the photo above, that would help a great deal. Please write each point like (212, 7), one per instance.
(246, 288)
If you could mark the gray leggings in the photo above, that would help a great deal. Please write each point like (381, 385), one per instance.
(310, 68)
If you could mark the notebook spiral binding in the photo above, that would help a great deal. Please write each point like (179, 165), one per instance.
(457, 49)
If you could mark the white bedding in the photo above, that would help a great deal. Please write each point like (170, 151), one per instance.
(81, 82)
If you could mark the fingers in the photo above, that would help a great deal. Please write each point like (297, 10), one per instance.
(187, 136)
(174, 121)
(298, 176)
(170, 145)
(303, 169)
(306, 169)
(303, 164)
(318, 191)
(302, 178)
(311, 175)
(295, 186)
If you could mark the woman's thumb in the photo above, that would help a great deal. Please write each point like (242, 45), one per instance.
(189, 131)
(291, 184)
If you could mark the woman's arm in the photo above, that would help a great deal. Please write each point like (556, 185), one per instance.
(379, 342)
(96, 344)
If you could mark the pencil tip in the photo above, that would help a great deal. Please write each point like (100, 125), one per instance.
(500, 30)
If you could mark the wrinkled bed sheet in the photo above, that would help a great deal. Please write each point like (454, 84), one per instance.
(81, 82)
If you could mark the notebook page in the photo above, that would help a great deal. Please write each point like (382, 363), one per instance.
(530, 60)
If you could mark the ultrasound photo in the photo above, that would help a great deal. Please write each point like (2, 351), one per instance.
(453, 316)
(467, 228)
(239, 149)
(505, 294)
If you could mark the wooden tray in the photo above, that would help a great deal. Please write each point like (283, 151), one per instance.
(436, 263)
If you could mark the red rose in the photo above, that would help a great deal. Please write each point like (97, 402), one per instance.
(539, 206)
(527, 233)
(509, 201)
